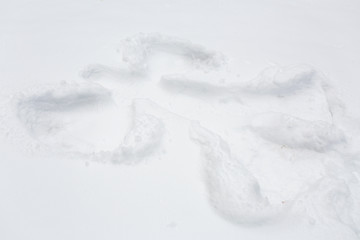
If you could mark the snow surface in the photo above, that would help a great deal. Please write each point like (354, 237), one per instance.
(179, 120)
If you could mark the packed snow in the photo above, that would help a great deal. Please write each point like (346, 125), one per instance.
(161, 136)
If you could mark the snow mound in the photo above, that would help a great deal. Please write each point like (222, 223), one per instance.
(279, 81)
(282, 81)
(137, 50)
(268, 184)
(138, 55)
(143, 138)
(69, 117)
(296, 80)
(233, 191)
(330, 201)
(297, 133)
(35, 109)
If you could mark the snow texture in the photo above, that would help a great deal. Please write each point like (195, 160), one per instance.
(294, 132)
(233, 191)
(273, 147)
(137, 50)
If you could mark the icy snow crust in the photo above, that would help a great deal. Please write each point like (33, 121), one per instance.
(273, 147)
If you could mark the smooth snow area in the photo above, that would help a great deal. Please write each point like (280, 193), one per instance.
(180, 119)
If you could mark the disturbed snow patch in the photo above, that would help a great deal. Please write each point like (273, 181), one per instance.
(69, 118)
(137, 50)
(181, 84)
(233, 191)
(282, 81)
(274, 81)
(254, 175)
(83, 119)
(36, 110)
(297, 133)
(252, 189)
(137, 53)
(142, 139)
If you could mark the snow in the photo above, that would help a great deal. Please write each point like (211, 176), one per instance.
(180, 120)
(297, 133)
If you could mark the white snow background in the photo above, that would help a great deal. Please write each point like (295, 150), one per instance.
(179, 119)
